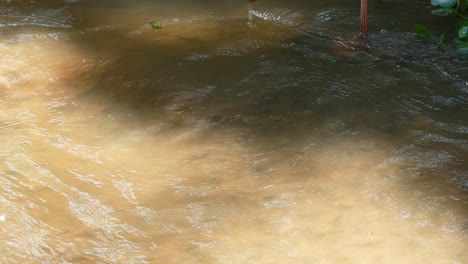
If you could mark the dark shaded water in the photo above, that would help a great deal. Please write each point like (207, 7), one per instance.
(239, 133)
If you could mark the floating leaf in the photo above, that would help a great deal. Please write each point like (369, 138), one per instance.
(463, 32)
(155, 25)
(444, 3)
(443, 11)
(422, 31)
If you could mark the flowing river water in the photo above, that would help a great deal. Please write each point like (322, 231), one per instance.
(238, 133)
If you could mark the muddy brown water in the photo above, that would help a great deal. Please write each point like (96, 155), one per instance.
(239, 133)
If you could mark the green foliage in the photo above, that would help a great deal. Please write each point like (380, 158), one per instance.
(425, 34)
(462, 22)
(422, 31)
(441, 41)
(444, 3)
(456, 8)
(462, 46)
(155, 25)
(446, 11)
(462, 5)
(463, 32)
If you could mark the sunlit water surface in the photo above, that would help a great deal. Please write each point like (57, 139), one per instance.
(239, 133)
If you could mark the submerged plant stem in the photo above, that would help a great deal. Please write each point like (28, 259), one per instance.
(364, 18)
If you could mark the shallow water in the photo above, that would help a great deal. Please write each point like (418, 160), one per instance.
(239, 133)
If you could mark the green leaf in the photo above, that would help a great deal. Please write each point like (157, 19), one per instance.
(441, 41)
(462, 22)
(462, 5)
(443, 11)
(462, 42)
(155, 25)
(462, 46)
(444, 3)
(422, 31)
(463, 32)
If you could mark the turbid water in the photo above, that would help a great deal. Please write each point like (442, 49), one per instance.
(239, 133)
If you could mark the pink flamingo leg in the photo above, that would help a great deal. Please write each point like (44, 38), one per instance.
(364, 18)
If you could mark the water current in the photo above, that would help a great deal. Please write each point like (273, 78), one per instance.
(238, 133)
